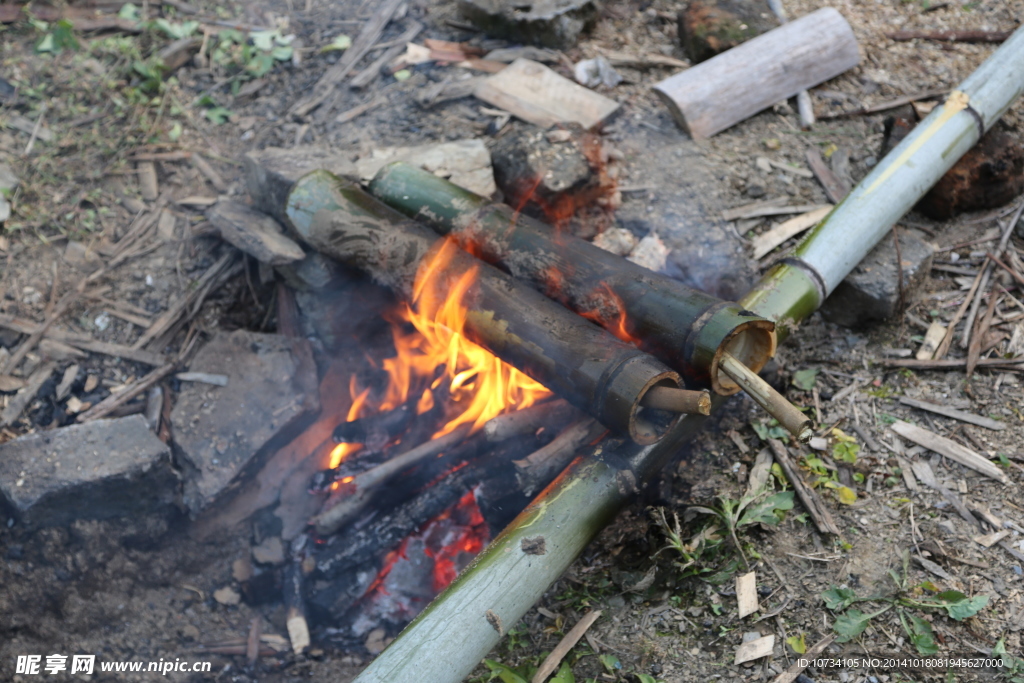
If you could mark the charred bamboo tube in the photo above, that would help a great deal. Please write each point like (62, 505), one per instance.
(774, 403)
(597, 373)
(687, 329)
(452, 635)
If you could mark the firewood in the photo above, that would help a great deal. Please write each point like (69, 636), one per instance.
(295, 606)
(528, 420)
(107, 405)
(366, 483)
(540, 467)
(720, 92)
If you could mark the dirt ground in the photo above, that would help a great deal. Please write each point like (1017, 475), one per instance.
(143, 589)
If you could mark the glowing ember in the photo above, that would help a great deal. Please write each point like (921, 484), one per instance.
(479, 385)
(424, 564)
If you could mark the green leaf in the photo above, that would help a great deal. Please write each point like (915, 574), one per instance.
(218, 115)
(46, 44)
(175, 30)
(645, 678)
(852, 623)
(128, 11)
(797, 643)
(263, 40)
(282, 53)
(174, 134)
(847, 496)
(64, 36)
(610, 662)
(846, 452)
(260, 65)
(402, 75)
(764, 512)
(962, 609)
(504, 672)
(922, 637)
(805, 379)
(838, 599)
(564, 674)
(760, 429)
(341, 42)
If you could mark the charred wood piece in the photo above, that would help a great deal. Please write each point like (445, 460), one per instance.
(374, 431)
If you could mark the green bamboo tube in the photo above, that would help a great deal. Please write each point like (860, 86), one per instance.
(685, 328)
(454, 633)
(599, 374)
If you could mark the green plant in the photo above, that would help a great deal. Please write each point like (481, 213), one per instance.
(761, 507)
(770, 429)
(851, 623)
(250, 56)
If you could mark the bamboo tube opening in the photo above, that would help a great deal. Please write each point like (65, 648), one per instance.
(753, 344)
(647, 425)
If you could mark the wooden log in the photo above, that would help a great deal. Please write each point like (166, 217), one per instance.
(728, 88)
(529, 420)
(541, 466)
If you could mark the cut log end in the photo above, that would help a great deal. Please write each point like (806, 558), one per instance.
(678, 400)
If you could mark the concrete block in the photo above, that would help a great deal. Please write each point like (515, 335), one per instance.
(223, 435)
(96, 470)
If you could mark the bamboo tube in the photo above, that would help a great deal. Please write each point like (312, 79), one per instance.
(597, 373)
(685, 328)
(452, 635)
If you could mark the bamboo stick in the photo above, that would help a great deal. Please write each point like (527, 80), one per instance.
(452, 635)
(774, 403)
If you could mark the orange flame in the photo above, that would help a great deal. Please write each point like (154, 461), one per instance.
(479, 384)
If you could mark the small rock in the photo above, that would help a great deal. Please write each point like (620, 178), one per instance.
(241, 569)
(618, 241)
(222, 432)
(709, 27)
(8, 181)
(651, 253)
(227, 596)
(988, 176)
(596, 72)
(750, 636)
(271, 172)
(97, 470)
(550, 23)
(376, 642)
(255, 233)
(270, 551)
(871, 291)
(755, 191)
(530, 166)
(466, 163)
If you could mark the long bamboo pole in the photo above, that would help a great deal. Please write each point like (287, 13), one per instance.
(461, 626)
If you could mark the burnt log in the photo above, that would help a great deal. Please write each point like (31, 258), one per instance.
(685, 328)
(599, 374)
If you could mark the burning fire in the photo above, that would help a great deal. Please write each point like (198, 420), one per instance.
(436, 357)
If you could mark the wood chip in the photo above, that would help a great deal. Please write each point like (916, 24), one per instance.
(989, 540)
(746, 594)
(17, 404)
(908, 474)
(567, 643)
(536, 94)
(9, 383)
(950, 449)
(932, 338)
(835, 188)
(934, 568)
(148, 185)
(204, 377)
(196, 201)
(973, 419)
(755, 649)
(923, 471)
(765, 243)
(760, 472)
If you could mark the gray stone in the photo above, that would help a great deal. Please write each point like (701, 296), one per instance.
(8, 181)
(224, 434)
(271, 172)
(531, 164)
(270, 551)
(314, 272)
(255, 233)
(551, 23)
(871, 291)
(97, 470)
